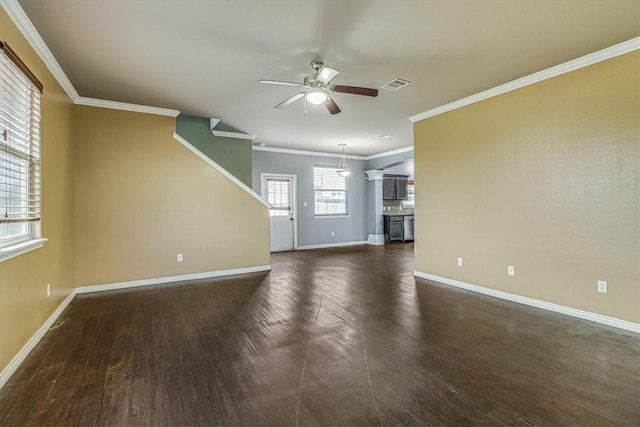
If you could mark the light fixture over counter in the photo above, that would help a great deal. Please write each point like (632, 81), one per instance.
(343, 170)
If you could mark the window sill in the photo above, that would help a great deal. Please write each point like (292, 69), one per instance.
(330, 216)
(13, 251)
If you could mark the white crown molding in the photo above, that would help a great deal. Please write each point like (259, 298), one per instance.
(389, 153)
(171, 279)
(304, 152)
(575, 64)
(236, 135)
(124, 106)
(331, 245)
(333, 155)
(569, 311)
(22, 21)
(35, 339)
(219, 168)
(24, 24)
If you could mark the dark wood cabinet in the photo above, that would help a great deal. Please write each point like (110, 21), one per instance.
(401, 188)
(394, 187)
(393, 228)
(389, 188)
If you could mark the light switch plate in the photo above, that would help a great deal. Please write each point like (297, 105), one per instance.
(511, 270)
(459, 262)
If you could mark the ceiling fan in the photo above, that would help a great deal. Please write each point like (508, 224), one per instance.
(318, 88)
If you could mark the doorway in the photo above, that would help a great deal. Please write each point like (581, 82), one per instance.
(279, 190)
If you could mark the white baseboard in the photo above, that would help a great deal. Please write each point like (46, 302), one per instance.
(35, 339)
(569, 311)
(170, 279)
(376, 239)
(331, 245)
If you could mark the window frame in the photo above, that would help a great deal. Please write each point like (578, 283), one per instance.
(410, 204)
(30, 239)
(345, 191)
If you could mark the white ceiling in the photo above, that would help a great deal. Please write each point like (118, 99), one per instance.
(204, 57)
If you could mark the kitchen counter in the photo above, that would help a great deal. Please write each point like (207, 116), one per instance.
(398, 227)
(401, 213)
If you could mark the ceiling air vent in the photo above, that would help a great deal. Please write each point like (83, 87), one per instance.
(395, 84)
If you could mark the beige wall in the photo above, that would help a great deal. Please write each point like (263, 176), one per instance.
(117, 185)
(545, 178)
(24, 306)
(141, 198)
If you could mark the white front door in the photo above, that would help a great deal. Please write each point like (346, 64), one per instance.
(279, 191)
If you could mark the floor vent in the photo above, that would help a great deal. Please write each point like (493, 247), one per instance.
(395, 84)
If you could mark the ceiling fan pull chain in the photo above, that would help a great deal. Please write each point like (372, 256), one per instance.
(305, 105)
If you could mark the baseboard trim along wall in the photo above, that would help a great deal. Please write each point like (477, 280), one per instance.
(40, 333)
(569, 311)
(35, 339)
(376, 239)
(330, 245)
(170, 279)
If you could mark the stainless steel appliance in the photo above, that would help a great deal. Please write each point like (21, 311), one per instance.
(408, 228)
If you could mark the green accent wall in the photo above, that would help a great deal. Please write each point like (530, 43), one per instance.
(235, 155)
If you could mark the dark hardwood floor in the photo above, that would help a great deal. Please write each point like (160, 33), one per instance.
(330, 337)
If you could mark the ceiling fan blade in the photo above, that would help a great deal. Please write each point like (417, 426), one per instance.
(326, 74)
(290, 100)
(355, 90)
(332, 106)
(280, 83)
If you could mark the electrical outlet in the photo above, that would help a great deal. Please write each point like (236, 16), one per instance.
(459, 262)
(48, 290)
(333, 233)
(602, 286)
(179, 258)
(305, 204)
(511, 270)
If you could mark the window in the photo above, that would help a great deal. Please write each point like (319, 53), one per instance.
(410, 202)
(278, 196)
(19, 150)
(330, 191)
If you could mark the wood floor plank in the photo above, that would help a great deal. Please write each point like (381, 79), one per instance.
(343, 336)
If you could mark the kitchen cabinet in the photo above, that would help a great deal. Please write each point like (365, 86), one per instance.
(401, 188)
(389, 188)
(394, 187)
(398, 228)
(393, 228)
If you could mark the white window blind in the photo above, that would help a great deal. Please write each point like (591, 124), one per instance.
(330, 191)
(19, 147)
(278, 196)
(410, 202)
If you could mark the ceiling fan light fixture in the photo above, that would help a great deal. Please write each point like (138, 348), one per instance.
(316, 96)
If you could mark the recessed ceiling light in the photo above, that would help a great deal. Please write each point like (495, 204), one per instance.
(384, 135)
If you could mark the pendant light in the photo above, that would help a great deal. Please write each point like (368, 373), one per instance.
(343, 170)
